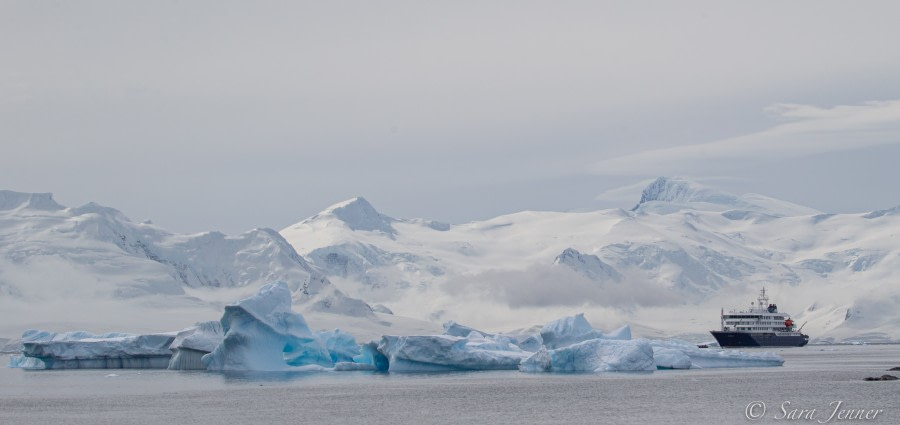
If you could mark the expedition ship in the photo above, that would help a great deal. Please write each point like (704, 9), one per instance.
(760, 326)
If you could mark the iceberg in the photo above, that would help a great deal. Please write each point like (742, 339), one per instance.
(263, 334)
(84, 350)
(22, 362)
(437, 353)
(527, 341)
(670, 358)
(575, 329)
(370, 355)
(594, 355)
(191, 344)
(455, 329)
(341, 346)
(665, 351)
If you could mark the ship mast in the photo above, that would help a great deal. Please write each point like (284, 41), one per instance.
(763, 299)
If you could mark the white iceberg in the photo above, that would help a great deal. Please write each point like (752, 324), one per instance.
(528, 341)
(84, 350)
(709, 357)
(263, 334)
(575, 329)
(437, 353)
(191, 344)
(455, 329)
(594, 355)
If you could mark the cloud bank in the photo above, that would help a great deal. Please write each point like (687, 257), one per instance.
(805, 130)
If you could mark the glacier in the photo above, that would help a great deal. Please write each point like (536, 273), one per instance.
(262, 333)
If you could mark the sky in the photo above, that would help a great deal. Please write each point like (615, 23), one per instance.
(226, 115)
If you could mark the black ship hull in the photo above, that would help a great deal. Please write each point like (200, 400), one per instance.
(758, 339)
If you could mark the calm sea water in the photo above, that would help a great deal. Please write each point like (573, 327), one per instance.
(812, 378)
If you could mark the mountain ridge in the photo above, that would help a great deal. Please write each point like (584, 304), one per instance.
(667, 267)
(94, 255)
(684, 244)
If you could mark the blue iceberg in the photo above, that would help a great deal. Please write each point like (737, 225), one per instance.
(593, 355)
(263, 334)
(437, 353)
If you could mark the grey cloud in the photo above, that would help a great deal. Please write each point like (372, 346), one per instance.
(236, 115)
(545, 286)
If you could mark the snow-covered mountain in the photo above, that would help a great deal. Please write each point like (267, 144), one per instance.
(667, 266)
(91, 266)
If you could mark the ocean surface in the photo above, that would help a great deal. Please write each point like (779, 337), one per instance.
(815, 377)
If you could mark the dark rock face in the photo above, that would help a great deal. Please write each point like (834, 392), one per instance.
(893, 369)
(882, 378)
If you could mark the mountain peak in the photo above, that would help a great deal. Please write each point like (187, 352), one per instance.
(677, 190)
(10, 200)
(588, 265)
(359, 214)
(666, 194)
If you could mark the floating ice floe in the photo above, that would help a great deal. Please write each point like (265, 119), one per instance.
(84, 350)
(666, 352)
(263, 334)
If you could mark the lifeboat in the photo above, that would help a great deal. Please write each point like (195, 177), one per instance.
(788, 323)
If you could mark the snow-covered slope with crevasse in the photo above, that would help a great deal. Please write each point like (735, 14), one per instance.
(91, 267)
(666, 267)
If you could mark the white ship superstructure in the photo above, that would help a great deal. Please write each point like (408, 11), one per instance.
(761, 325)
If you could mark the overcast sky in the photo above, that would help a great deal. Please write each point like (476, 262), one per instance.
(227, 116)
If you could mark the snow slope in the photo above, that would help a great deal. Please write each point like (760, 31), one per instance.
(667, 266)
(92, 268)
